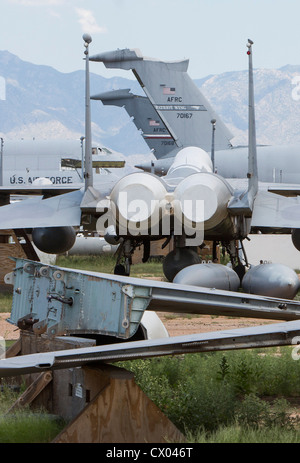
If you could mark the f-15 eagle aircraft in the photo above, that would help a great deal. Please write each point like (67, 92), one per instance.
(228, 213)
(175, 114)
(191, 203)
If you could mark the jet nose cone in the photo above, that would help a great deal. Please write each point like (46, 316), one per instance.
(144, 166)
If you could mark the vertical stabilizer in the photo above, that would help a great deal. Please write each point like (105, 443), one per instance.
(243, 203)
(252, 156)
(88, 163)
(177, 100)
(144, 117)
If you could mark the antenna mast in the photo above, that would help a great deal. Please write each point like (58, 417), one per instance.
(88, 163)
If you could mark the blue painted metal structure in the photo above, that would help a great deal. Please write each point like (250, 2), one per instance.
(277, 334)
(53, 300)
(62, 301)
(57, 301)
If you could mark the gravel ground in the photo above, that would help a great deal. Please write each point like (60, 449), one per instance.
(7, 330)
(176, 325)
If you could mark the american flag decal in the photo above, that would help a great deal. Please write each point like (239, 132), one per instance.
(153, 123)
(169, 91)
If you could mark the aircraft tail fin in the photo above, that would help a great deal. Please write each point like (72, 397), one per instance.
(88, 163)
(252, 156)
(179, 103)
(144, 117)
(243, 203)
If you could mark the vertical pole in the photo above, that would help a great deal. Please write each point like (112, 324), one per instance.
(1, 167)
(252, 159)
(82, 157)
(88, 174)
(213, 122)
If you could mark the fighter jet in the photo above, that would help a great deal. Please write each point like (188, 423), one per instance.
(228, 213)
(175, 115)
(190, 204)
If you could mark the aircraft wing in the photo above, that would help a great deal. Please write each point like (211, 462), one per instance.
(285, 190)
(273, 211)
(40, 190)
(62, 210)
(277, 334)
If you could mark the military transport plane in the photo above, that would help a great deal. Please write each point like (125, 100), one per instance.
(276, 164)
(27, 162)
(175, 114)
(189, 204)
(49, 168)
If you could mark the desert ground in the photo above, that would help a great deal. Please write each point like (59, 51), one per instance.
(176, 324)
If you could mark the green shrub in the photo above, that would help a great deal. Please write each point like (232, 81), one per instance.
(26, 427)
(235, 434)
(255, 412)
(210, 391)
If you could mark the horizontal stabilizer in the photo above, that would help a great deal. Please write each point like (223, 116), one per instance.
(39, 190)
(114, 95)
(128, 58)
(61, 210)
(285, 190)
(101, 162)
(273, 211)
(277, 334)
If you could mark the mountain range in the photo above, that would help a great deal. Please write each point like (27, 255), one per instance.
(40, 102)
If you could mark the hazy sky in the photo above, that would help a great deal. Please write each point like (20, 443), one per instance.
(211, 33)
